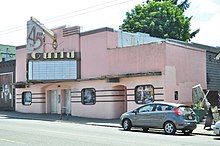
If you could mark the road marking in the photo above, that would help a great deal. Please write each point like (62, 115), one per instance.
(12, 141)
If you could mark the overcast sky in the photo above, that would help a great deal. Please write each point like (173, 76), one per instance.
(93, 14)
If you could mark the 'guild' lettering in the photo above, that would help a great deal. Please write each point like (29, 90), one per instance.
(35, 55)
(70, 54)
(54, 55)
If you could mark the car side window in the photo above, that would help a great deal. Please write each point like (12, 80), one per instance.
(168, 108)
(147, 108)
(163, 107)
(159, 108)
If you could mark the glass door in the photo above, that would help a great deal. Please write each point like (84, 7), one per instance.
(67, 101)
(54, 101)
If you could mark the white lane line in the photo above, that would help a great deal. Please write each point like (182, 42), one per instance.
(12, 141)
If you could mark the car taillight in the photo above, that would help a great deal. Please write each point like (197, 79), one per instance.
(177, 111)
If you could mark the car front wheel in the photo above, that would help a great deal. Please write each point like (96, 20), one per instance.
(127, 125)
(169, 128)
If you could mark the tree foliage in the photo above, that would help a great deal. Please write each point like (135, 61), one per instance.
(160, 18)
(183, 5)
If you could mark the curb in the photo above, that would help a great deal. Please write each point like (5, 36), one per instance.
(104, 125)
(204, 134)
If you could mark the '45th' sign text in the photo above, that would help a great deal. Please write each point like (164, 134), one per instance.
(34, 36)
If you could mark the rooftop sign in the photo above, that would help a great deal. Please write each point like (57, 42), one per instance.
(35, 35)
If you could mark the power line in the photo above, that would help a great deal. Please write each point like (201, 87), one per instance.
(80, 10)
(93, 10)
(65, 16)
(19, 27)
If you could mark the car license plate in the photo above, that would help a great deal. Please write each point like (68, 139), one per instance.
(190, 117)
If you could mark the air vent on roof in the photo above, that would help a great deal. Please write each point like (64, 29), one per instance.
(71, 31)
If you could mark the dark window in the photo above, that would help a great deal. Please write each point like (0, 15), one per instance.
(144, 94)
(26, 98)
(176, 95)
(88, 96)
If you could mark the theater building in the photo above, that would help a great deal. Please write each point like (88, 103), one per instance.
(102, 73)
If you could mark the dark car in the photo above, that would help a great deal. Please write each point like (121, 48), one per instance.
(162, 115)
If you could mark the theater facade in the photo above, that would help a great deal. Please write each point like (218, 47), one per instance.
(102, 73)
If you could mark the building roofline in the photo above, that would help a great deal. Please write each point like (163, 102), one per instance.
(7, 45)
(21, 47)
(97, 31)
(195, 45)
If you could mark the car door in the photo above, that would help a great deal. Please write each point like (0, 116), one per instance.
(143, 115)
(157, 117)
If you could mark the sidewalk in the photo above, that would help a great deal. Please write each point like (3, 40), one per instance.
(80, 120)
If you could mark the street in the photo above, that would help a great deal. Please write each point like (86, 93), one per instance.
(22, 132)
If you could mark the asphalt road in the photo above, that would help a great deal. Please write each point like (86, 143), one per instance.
(21, 132)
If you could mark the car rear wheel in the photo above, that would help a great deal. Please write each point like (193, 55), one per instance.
(127, 124)
(145, 129)
(169, 128)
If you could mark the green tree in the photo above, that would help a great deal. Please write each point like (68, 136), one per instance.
(182, 5)
(160, 18)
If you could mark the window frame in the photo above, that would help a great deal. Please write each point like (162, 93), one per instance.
(50, 70)
(26, 103)
(91, 101)
(142, 100)
(176, 95)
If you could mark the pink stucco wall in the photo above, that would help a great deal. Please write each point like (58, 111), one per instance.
(106, 107)
(185, 68)
(101, 57)
(94, 57)
(136, 59)
(67, 43)
(21, 65)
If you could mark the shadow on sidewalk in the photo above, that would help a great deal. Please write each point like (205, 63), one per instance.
(58, 117)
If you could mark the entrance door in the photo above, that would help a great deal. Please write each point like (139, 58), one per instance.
(121, 106)
(54, 101)
(67, 101)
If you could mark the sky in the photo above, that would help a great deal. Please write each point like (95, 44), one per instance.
(93, 14)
